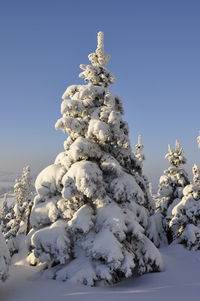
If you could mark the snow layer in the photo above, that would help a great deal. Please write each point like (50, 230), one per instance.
(49, 180)
(178, 281)
(52, 243)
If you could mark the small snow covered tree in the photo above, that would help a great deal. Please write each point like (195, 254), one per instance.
(196, 175)
(141, 179)
(4, 211)
(171, 186)
(22, 209)
(198, 140)
(90, 215)
(138, 150)
(4, 258)
(154, 230)
(16, 220)
(185, 222)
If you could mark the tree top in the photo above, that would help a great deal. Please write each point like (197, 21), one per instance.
(99, 58)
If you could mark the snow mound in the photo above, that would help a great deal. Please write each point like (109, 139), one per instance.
(49, 180)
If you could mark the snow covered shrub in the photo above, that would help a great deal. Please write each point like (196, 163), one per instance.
(171, 186)
(4, 258)
(185, 222)
(16, 219)
(91, 213)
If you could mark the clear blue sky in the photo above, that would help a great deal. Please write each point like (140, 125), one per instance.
(155, 49)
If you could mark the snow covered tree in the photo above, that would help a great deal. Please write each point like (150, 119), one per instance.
(196, 175)
(185, 222)
(171, 186)
(154, 230)
(22, 209)
(138, 150)
(141, 179)
(4, 211)
(198, 140)
(90, 215)
(4, 258)
(16, 219)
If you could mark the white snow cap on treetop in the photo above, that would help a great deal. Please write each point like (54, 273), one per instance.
(176, 157)
(97, 74)
(198, 140)
(99, 58)
(196, 175)
(139, 147)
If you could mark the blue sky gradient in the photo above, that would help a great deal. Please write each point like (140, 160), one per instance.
(155, 56)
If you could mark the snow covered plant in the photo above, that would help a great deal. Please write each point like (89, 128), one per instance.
(91, 212)
(141, 179)
(16, 220)
(171, 186)
(155, 230)
(185, 223)
(198, 140)
(196, 175)
(4, 258)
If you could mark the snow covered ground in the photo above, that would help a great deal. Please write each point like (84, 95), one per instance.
(180, 280)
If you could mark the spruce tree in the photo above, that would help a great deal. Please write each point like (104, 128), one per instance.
(4, 258)
(23, 195)
(198, 140)
(15, 220)
(171, 186)
(142, 179)
(91, 212)
(185, 222)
